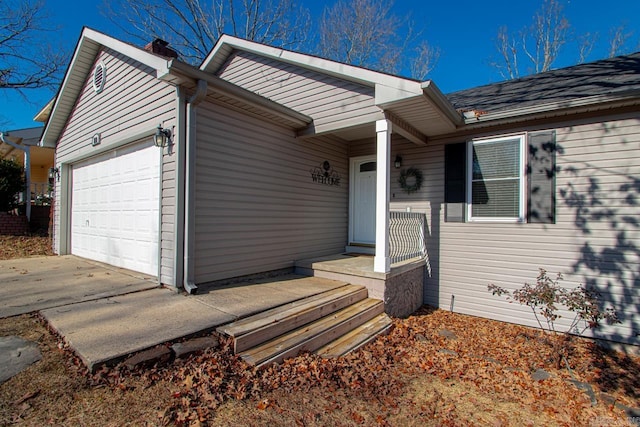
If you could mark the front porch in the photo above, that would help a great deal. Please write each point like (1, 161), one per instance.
(401, 288)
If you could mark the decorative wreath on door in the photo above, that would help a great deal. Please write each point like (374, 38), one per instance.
(410, 180)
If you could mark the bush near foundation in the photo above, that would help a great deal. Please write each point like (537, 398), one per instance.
(546, 297)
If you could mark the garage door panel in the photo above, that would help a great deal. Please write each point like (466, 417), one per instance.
(115, 204)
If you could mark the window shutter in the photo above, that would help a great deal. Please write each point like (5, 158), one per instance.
(541, 178)
(455, 182)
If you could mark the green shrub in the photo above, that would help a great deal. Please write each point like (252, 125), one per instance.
(11, 183)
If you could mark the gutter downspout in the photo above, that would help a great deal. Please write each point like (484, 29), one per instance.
(27, 171)
(189, 188)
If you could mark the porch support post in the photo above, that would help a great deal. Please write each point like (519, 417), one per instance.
(381, 262)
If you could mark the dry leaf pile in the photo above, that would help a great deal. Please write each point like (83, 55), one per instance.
(24, 246)
(434, 368)
(479, 358)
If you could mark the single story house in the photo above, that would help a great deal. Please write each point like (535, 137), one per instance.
(273, 160)
(21, 146)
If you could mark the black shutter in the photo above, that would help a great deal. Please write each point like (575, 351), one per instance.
(455, 182)
(541, 178)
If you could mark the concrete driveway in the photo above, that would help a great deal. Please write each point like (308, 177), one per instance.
(31, 284)
(102, 316)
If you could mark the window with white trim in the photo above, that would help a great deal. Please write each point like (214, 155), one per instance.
(496, 184)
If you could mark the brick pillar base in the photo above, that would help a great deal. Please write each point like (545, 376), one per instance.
(13, 225)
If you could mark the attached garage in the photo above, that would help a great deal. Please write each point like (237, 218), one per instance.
(115, 208)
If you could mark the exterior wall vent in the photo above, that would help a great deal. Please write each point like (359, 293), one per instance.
(99, 77)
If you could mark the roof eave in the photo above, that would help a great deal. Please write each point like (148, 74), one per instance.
(432, 92)
(547, 110)
(227, 44)
(233, 91)
(89, 44)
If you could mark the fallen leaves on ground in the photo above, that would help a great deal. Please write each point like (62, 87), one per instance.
(405, 377)
(24, 246)
(434, 368)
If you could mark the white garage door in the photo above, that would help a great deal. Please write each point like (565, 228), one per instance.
(114, 208)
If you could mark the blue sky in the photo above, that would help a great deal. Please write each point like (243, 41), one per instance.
(463, 30)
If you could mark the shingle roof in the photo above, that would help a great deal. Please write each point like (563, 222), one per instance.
(604, 77)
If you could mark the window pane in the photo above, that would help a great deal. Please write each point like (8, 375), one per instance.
(368, 167)
(495, 182)
(499, 199)
(496, 159)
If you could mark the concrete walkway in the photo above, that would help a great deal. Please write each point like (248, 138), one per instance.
(106, 313)
(110, 328)
(31, 284)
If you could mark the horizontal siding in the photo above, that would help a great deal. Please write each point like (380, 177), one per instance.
(257, 208)
(133, 102)
(595, 241)
(326, 99)
(167, 227)
(429, 160)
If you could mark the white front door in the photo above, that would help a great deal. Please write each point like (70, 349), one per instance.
(363, 201)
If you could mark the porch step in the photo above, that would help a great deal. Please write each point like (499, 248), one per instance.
(338, 321)
(359, 337)
(269, 324)
(314, 335)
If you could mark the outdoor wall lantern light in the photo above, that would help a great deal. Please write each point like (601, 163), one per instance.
(398, 161)
(161, 137)
(54, 173)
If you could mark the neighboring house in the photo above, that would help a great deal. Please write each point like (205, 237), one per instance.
(277, 157)
(41, 159)
(22, 147)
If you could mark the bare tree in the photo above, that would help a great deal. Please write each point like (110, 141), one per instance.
(540, 43)
(27, 61)
(366, 33)
(587, 42)
(193, 26)
(508, 48)
(425, 59)
(619, 38)
(549, 34)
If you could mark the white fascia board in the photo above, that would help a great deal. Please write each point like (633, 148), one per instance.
(387, 94)
(431, 91)
(147, 58)
(82, 48)
(88, 46)
(321, 65)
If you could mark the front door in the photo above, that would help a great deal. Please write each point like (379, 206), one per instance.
(363, 201)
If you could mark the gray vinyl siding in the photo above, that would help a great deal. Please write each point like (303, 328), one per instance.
(132, 103)
(167, 225)
(257, 208)
(426, 200)
(330, 101)
(595, 240)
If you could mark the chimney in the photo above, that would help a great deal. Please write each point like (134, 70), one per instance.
(161, 47)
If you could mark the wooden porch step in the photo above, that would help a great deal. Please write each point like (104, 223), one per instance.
(315, 335)
(357, 338)
(269, 324)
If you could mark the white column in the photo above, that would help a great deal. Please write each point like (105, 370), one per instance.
(381, 262)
